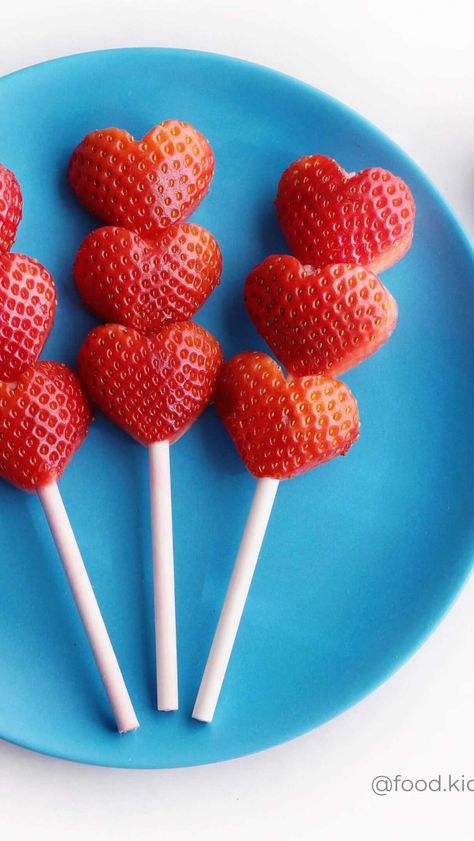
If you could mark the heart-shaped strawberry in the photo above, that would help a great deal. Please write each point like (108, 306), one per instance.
(44, 417)
(10, 208)
(143, 185)
(329, 215)
(319, 321)
(143, 284)
(284, 427)
(153, 387)
(27, 306)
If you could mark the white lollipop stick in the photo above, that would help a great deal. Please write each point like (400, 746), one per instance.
(235, 599)
(163, 577)
(88, 608)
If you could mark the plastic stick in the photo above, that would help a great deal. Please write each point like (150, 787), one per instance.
(88, 608)
(235, 599)
(163, 577)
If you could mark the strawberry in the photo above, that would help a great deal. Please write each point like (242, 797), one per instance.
(153, 387)
(27, 305)
(143, 185)
(284, 427)
(332, 216)
(44, 418)
(319, 321)
(10, 208)
(142, 284)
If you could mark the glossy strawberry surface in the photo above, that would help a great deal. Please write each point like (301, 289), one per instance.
(142, 283)
(283, 427)
(319, 321)
(153, 387)
(142, 185)
(27, 307)
(44, 418)
(10, 207)
(329, 215)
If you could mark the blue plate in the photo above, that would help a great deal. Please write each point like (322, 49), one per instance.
(362, 557)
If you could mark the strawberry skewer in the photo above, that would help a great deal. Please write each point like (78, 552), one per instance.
(154, 387)
(319, 322)
(44, 417)
(167, 270)
(280, 428)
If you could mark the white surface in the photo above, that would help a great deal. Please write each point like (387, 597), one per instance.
(163, 576)
(235, 598)
(407, 66)
(88, 608)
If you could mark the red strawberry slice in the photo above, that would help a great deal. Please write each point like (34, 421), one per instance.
(10, 208)
(319, 321)
(27, 306)
(153, 387)
(44, 418)
(143, 185)
(143, 284)
(284, 427)
(329, 215)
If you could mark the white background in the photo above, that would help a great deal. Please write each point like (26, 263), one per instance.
(407, 66)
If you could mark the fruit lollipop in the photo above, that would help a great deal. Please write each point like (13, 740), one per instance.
(10, 208)
(154, 387)
(144, 284)
(280, 427)
(142, 185)
(44, 417)
(319, 321)
(329, 215)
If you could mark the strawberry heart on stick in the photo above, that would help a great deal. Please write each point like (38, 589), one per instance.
(154, 388)
(281, 428)
(44, 418)
(319, 321)
(142, 283)
(10, 208)
(329, 215)
(27, 306)
(142, 185)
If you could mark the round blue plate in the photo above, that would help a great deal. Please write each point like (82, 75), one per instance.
(361, 558)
